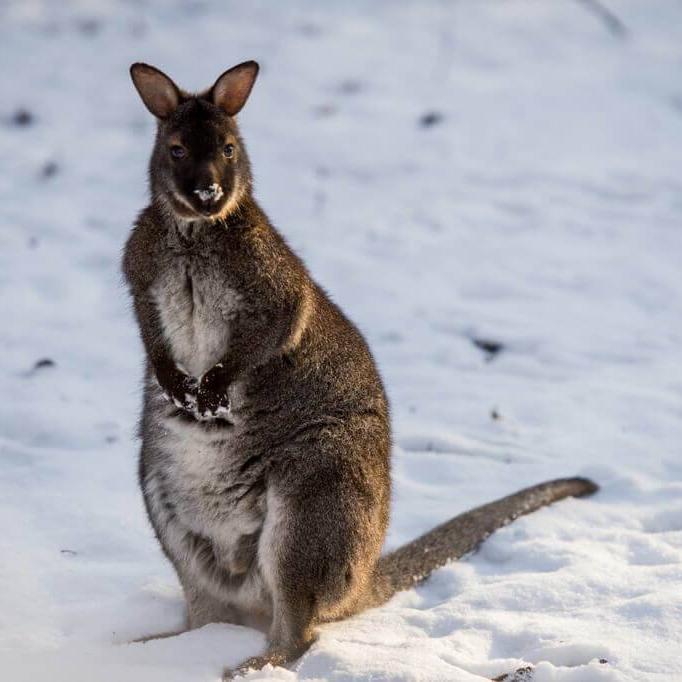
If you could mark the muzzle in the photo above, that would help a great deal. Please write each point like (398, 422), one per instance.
(211, 194)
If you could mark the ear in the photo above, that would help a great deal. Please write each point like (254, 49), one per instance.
(158, 92)
(233, 88)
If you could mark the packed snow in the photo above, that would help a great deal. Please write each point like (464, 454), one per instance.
(493, 192)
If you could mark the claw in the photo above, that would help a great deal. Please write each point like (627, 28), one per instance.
(221, 412)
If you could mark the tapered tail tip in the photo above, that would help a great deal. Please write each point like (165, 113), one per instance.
(583, 486)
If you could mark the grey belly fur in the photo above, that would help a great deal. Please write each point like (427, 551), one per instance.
(207, 504)
(203, 490)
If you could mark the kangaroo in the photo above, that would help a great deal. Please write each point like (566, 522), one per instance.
(266, 435)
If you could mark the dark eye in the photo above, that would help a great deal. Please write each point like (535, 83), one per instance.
(228, 150)
(177, 152)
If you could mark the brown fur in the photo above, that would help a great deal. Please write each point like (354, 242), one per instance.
(265, 471)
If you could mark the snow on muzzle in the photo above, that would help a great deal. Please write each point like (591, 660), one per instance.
(211, 194)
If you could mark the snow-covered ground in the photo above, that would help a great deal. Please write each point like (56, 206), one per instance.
(449, 170)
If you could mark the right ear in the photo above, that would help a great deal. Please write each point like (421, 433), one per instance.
(233, 87)
(158, 92)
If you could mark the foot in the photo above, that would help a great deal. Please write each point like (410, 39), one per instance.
(274, 657)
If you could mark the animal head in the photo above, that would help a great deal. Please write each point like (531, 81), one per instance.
(199, 166)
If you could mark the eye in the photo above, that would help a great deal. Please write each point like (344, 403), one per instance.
(177, 152)
(228, 150)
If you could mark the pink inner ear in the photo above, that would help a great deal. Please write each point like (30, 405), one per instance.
(232, 89)
(158, 92)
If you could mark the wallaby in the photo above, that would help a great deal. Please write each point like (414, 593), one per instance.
(265, 428)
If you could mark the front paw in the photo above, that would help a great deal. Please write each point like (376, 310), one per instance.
(212, 400)
(178, 388)
(186, 402)
(215, 409)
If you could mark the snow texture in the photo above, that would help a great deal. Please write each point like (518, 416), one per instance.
(492, 191)
(213, 193)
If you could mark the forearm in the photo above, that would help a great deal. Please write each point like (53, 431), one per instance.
(151, 333)
(261, 336)
(139, 269)
(257, 336)
(177, 386)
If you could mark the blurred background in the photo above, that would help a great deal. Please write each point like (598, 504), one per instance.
(492, 191)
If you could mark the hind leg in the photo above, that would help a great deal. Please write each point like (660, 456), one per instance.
(316, 560)
(290, 636)
(291, 632)
(203, 608)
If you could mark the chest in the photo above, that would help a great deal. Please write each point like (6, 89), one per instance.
(195, 303)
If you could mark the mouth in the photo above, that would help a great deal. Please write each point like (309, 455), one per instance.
(190, 207)
(208, 211)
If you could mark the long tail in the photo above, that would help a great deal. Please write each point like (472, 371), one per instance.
(411, 563)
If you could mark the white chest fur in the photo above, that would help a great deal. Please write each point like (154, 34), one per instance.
(195, 305)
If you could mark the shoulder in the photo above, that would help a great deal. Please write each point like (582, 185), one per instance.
(264, 250)
(149, 223)
(143, 242)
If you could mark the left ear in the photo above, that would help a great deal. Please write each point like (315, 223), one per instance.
(233, 88)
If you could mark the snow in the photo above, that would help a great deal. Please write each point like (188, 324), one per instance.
(213, 193)
(505, 171)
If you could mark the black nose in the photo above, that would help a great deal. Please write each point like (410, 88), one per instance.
(209, 194)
